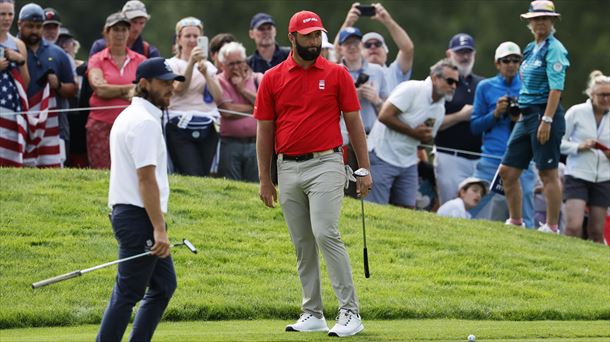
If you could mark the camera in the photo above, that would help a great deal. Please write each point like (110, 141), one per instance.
(513, 107)
(362, 79)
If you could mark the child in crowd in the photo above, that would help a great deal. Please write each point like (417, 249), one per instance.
(470, 192)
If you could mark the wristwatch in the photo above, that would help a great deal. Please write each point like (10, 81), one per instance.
(547, 119)
(361, 172)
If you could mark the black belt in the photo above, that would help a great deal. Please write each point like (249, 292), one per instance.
(533, 109)
(308, 156)
(241, 140)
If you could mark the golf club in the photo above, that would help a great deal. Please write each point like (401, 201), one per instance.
(363, 173)
(78, 273)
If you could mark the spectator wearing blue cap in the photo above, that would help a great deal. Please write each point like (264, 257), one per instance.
(451, 166)
(370, 85)
(136, 13)
(138, 196)
(375, 49)
(47, 65)
(538, 134)
(268, 53)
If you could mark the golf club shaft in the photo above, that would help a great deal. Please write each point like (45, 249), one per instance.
(78, 273)
(364, 251)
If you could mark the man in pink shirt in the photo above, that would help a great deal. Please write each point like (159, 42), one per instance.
(237, 131)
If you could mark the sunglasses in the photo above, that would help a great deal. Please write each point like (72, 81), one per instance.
(507, 60)
(451, 81)
(189, 22)
(369, 45)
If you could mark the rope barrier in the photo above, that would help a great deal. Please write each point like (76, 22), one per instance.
(68, 110)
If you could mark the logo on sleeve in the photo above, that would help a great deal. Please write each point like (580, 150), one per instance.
(557, 67)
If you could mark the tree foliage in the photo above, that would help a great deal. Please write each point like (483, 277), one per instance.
(584, 28)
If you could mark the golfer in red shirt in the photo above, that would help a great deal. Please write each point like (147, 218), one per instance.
(298, 107)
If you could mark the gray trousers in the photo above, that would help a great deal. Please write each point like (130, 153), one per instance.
(311, 193)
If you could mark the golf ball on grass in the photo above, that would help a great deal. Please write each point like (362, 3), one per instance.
(471, 338)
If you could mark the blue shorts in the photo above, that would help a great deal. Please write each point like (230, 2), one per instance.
(392, 184)
(523, 143)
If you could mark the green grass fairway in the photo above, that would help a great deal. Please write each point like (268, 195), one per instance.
(399, 330)
(422, 266)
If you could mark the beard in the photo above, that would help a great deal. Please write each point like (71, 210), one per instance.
(465, 69)
(306, 53)
(155, 97)
(32, 39)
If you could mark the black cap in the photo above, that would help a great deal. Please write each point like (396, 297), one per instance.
(51, 16)
(31, 12)
(259, 19)
(158, 68)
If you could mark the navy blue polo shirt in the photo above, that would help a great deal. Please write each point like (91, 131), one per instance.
(259, 64)
(459, 135)
(137, 46)
(48, 56)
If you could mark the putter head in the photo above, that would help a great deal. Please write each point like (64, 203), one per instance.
(189, 245)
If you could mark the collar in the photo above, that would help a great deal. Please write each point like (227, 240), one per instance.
(43, 45)
(590, 104)
(106, 53)
(503, 79)
(364, 64)
(428, 89)
(151, 109)
(319, 63)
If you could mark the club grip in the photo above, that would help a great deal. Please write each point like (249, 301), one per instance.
(56, 279)
(366, 263)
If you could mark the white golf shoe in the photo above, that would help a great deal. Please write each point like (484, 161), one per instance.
(348, 324)
(546, 229)
(308, 323)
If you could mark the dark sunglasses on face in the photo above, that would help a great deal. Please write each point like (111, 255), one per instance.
(376, 44)
(507, 60)
(451, 81)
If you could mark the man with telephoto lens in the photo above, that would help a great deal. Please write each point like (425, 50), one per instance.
(494, 114)
(298, 106)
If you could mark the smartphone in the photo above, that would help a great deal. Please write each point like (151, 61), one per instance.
(1, 52)
(202, 42)
(366, 10)
(430, 122)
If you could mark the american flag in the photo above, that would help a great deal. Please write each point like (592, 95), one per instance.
(13, 126)
(27, 139)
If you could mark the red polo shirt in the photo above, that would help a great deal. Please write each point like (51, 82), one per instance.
(306, 104)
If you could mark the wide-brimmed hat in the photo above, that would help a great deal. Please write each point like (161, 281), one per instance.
(540, 8)
(135, 9)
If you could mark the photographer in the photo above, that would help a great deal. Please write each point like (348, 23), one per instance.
(495, 112)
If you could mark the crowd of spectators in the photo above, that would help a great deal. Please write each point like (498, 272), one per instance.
(491, 139)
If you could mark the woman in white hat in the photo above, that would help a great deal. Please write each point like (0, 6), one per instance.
(539, 131)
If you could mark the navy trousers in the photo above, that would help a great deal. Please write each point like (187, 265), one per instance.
(134, 233)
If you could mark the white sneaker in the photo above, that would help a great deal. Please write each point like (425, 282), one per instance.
(348, 324)
(508, 223)
(308, 323)
(546, 229)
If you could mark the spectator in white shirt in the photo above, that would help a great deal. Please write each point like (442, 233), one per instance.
(586, 141)
(470, 192)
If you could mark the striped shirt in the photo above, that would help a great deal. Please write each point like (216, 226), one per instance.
(543, 69)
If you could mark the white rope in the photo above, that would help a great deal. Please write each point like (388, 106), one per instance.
(432, 147)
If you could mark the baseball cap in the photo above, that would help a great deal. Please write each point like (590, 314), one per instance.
(51, 16)
(507, 49)
(115, 18)
(461, 41)
(31, 12)
(156, 67)
(473, 180)
(348, 32)
(377, 36)
(540, 8)
(305, 22)
(135, 9)
(64, 33)
(259, 19)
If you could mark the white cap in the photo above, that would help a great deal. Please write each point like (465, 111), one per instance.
(377, 36)
(325, 43)
(135, 9)
(507, 49)
(472, 180)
